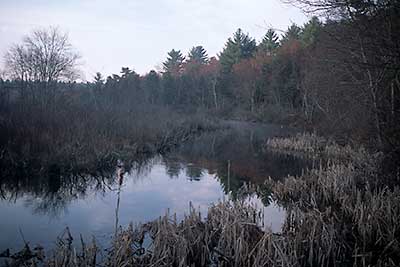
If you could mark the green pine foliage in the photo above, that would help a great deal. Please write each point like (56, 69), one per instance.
(198, 55)
(293, 33)
(310, 31)
(270, 42)
(241, 46)
(174, 63)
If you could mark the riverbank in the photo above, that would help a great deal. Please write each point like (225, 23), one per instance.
(55, 148)
(339, 214)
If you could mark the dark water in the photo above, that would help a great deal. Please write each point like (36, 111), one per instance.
(204, 170)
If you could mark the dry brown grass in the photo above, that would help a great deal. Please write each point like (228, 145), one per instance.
(311, 145)
(336, 218)
(337, 215)
(352, 228)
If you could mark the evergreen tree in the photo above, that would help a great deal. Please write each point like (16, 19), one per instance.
(270, 42)
(198, 55)
(239, 47)
(310, 31)
(152, 87)
(170, 89)
(126, 72)
(174, 63)
(292, 33)
(114, 77)
(98, 78)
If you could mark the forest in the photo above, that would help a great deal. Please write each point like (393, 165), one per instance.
(337, 76)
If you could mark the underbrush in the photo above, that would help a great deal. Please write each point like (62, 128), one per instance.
(339, 217)
(340, 214)
(79, 139)
(336, 215)
(311, 145)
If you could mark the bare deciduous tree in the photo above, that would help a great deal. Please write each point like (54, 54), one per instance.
(45, 55)
(2, 74)
(366, 36)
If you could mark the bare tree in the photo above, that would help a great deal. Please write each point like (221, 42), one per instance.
(45, 55)
(2, 74)
(339, 8)
(366, 34)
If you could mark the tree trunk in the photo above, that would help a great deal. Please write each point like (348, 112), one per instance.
(392, 98)
(252, 101)
(372, 86)
(214, 90)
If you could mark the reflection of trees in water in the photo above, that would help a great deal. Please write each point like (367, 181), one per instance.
(172, 167)
(51, 193)
(264, 193)
(50, 204)
(193, 172)
(140, 169)
(249, 162)
(230, 181)
(54, 198)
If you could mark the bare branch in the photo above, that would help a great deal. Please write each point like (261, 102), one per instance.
(44, 55)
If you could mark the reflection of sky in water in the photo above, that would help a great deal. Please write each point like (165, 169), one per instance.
(273, 214)
(144, 196)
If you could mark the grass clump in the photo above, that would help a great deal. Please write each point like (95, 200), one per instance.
(310, 144)
(334, 218)
(336, 215)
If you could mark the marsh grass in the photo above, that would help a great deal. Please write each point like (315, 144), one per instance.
(336, 215)
(72, 140)
(360, 229)
(340, 219)
(314, 146)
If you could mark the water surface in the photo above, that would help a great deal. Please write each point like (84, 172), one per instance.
(202, 171)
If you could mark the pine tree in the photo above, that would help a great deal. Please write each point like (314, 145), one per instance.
(270, 42)
(310, 31)
(240, 47)
(174, 63)
(126, 72)
(292, 33)
(198, 55)
(152, 86)
(98, 78)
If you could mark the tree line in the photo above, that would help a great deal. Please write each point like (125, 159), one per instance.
(338, 74)
(246, 76)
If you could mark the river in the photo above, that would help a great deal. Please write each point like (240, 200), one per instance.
(202, 171)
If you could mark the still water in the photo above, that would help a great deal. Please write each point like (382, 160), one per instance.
(202, 171)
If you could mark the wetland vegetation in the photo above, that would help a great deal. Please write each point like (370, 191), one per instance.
(281, 152)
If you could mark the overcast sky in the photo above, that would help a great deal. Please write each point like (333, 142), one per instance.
(110, 34)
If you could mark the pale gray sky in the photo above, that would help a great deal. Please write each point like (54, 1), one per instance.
(110, 34)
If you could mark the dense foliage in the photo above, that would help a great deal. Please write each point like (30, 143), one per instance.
(338, 75)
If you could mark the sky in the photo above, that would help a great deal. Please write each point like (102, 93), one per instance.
(110, 34)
